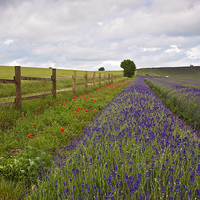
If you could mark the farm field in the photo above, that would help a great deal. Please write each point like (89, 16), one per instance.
(89, 147)
(182, 96)
(174, 72)
(41, 129)
(39, 87)
(134, 149)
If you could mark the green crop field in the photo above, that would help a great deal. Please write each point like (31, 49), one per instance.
(177, 72)
(8, 72)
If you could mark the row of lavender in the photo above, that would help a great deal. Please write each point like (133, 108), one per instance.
(186, 82)
(181, 95)
(134, 149)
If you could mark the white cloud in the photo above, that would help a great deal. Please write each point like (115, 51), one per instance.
(150, 49)
(8, 41)
(174, 49)
(194, 53)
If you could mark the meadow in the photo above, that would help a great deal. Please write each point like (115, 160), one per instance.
(40, 87)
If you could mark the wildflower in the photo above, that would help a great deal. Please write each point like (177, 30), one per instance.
(62, 129)
(30, 135)
(198, 193)
(38, 107)
(36, 113)
(56, 100)
(47, 104)
(22, 118)
(75, 112)
(64, 104)
(83, 115)
(74, 97)
(22, 113)
(34, 124)
(0, 122)
(86, 110)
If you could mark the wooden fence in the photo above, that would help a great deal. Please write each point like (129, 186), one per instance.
(17, 81)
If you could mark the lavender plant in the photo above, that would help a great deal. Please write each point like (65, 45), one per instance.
(183, 100)
(134, 149)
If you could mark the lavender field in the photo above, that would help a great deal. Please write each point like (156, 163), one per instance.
(182, 95)
(134, 149)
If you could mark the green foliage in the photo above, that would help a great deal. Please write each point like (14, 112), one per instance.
(101, 69)
(129, 68)
(27, 165)
(10, 190)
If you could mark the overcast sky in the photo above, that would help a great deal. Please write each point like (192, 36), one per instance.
(89, 34)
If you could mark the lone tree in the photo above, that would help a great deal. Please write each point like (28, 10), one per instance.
(129, 68)
(101, 69)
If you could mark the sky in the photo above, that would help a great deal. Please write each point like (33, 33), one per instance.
(89, 34)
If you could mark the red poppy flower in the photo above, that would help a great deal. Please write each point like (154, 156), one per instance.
(36, 113)
(22, 113)
(0, 122)
(22, 118)
(47, 104)
(74, 97)
(83, 115)
(64, 104)
(34, 124)
(86, 110)
(30, 135)
(62, 129)
(75, 112)
(67, 105)
(38, 107)
(56, 100)
(65, 99)
(81, 108)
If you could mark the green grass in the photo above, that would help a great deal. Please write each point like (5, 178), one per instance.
(178, 72)
(41, 87)
(8, 72)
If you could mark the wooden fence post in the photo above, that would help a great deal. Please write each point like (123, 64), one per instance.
(53, 77)
(74, 82)
(100, 79)
(94, 79)
(112, 78)
(108, 77)
(86, 79)
(105, 78)
(18, 99)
